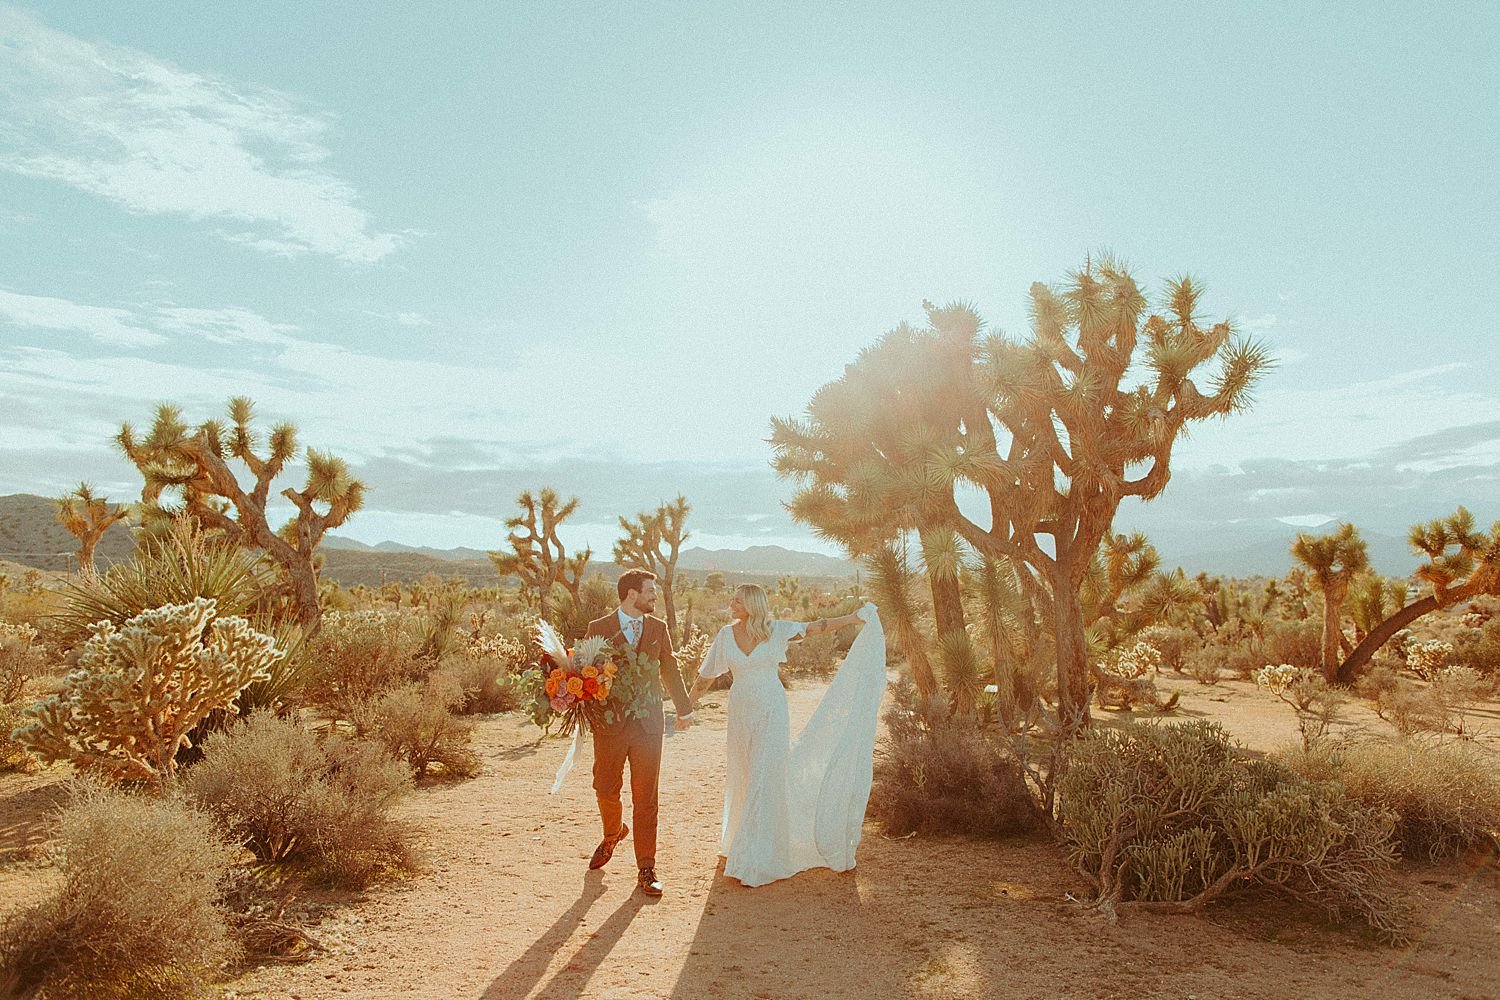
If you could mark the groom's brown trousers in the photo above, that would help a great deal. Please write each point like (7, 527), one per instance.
(637, 742)
(641, 748)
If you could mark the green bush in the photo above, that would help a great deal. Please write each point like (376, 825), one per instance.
(138, 913)
(1171, 818)
(940, 773)
(1446, 797)
(289, 796)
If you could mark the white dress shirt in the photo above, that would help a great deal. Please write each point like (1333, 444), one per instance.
(632, 628)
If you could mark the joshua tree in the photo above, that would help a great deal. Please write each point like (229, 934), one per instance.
(1461, 564)
(653, 541)
(1334, 560)
(194, 463)
(861, 456)
(537, 556)
(88, 516)
(1046, 428)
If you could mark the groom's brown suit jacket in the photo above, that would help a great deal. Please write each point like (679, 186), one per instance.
(655, 642)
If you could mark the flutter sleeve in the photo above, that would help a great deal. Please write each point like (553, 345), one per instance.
(785, 631)
(716, 660)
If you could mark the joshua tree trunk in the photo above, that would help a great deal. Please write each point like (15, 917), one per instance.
(1072, 657)
(1333, 600)
(1379, 636)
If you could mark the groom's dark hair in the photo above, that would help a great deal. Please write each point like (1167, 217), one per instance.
(633, 579)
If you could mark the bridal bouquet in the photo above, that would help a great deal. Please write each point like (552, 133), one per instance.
(575, 687)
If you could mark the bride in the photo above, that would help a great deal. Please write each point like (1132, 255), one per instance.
(790, 807)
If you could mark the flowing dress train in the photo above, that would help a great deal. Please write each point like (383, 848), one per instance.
(790, 806)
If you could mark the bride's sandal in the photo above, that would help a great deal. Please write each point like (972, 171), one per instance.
(606, 849)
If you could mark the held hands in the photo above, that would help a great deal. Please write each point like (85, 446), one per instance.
(684, 722)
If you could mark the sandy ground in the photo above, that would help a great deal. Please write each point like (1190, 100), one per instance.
(508, 910)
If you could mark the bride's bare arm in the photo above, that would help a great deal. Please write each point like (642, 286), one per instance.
(822, 625)
(700, 688)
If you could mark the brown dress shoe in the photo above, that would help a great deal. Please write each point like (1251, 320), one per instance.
(606, 848)
(649, 883)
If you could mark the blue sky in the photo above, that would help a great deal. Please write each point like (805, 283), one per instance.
(479, 247)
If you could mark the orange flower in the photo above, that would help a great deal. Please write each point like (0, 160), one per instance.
(575, 686)
(551, 687)
(610, 669)
(603, 694)
(590, 672)
(590, 687)
(557, 674)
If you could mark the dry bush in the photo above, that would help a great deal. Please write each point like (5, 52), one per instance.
(417, 724)
(1169, 818)
(1299, 643)
(1479, 648)
(290, 797)
(814, 656)
(487, 684)
(1446, 797)
(357, 657)
(1205, 665)
(13, 756)
(939, 773)
(1174, 644)
(1308, 694)
(21, 658)
(138, 913)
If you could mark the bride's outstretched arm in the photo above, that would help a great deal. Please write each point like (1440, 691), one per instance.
(822, 625)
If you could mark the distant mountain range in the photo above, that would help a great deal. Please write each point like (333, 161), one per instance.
(31, 536)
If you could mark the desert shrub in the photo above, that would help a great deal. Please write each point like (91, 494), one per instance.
(139, 690)
(1479, 648)
(1174, 644)
(1443, 706)
(13, 756)
(21, 659)
(1299, 643)
(138, 913)
(486, 683)
(1446, 796)
(1171, 818)
(1308, 694)
(815, 656)
(1205, 664)
(417, 724)
(936, 772)
(288, 796)
(357, 657)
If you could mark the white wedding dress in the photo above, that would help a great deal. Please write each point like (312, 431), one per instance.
(790, 807)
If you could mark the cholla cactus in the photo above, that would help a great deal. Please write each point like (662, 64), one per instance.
(511, 652)
(1137, 661)
(140, 689)
(1427, 659)
(1307, 692)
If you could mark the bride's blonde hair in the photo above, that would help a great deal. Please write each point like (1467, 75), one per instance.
(757, 611)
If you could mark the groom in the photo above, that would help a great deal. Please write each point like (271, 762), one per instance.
(638, 741)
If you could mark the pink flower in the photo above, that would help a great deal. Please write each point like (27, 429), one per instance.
(559, 705)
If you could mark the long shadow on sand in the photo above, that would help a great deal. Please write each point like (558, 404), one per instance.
(741, 945)
(523, 975)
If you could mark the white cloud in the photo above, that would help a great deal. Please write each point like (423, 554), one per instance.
(1306, 520)
(104, 324)
(156, 139)
(412, 319)
(224, 326)
(1264, 322)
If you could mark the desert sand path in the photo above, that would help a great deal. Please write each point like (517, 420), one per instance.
(508, 910)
